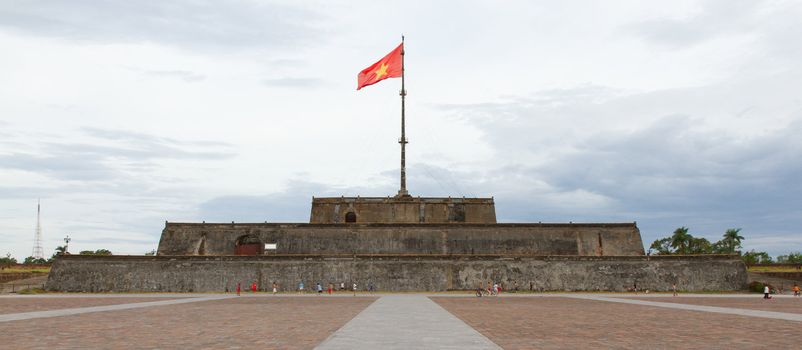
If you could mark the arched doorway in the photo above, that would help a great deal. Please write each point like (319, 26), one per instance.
(350, 217)
(248, 245)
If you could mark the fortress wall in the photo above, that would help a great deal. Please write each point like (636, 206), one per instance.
(531, 239)
(395, 273)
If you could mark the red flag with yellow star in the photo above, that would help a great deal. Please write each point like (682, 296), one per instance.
(388, 67)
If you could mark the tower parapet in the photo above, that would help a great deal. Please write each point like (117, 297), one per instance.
(408, 210)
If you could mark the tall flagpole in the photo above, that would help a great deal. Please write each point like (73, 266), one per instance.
(403, 141)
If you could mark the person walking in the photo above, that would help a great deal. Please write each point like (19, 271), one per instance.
(319, 289)
(766, 292)
(674, 289)
(331, 286)
(238, 288)
(796, 290)
(253, 287)
(300, 287)
(275, 287)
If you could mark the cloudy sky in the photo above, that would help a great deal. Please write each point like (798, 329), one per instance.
(120, 115)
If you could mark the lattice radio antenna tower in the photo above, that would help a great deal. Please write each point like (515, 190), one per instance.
(38, 252)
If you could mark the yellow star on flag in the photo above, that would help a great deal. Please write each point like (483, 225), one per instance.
(390, 66)
(382, 71)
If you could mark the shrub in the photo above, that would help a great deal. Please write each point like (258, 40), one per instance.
(756, 287)
(32, 291)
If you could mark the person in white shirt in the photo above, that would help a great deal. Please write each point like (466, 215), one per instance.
(766, 292)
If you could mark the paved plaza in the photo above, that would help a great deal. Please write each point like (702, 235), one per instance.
(399, 321)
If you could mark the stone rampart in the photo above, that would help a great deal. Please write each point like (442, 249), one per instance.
(532, 239)
(395, 272)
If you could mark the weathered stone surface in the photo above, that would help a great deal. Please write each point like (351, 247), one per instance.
(533, 239)
(335, 210)
(395, 272)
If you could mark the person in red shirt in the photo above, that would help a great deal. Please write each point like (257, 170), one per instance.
(253, 287)
(238, 288)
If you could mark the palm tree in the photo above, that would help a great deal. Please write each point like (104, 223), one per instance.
(680, 240)
(732, 239)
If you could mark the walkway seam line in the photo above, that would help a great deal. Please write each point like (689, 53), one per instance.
(467, 325)
(343, 326)
(700, 308)
(84, 310)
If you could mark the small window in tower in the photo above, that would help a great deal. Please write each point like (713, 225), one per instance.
(350, 217)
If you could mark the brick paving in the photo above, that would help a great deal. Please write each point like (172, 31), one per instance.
(303, 322)
(235, 323)
(16, 305)
(558, 323)
(790, 305)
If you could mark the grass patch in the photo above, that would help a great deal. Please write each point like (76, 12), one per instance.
(17, 270)
(772, 269)
(32, 291)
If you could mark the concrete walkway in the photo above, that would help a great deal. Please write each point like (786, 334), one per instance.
(84, 310)
(716, 309)
(406, 322)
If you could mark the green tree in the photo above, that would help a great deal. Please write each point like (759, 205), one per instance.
(31, 260)
(7, 261)
(662, 246)
(681, 240)
(731, 243)
(699, 246)
(753, 257)
(59, 250)
(792, 258)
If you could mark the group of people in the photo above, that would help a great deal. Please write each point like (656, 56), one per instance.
(239, 287)
(493, 288)
(331, 287)
(317, 288)
(254, 287)
(767, 291)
